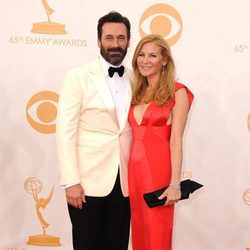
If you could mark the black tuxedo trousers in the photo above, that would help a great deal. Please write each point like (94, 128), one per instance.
(103, 223)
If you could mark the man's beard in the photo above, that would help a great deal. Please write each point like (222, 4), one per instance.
(114, 59)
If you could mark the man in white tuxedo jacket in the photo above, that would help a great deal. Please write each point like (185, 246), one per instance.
(93, 138)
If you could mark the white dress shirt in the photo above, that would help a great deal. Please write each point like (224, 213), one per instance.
(119, 88)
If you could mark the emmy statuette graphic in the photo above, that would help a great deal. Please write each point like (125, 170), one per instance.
(48, 27)
(34, 186)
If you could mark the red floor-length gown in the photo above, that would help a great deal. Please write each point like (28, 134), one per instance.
(150, 169)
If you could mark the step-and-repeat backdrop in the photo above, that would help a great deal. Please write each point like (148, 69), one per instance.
(210, 40)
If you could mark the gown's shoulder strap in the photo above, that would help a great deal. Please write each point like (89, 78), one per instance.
(179, 86)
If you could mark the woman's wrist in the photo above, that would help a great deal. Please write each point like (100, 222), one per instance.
(175, 186)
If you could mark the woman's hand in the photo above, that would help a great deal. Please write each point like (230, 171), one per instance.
(173, 196)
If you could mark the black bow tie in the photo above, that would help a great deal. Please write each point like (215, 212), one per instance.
(119, 70)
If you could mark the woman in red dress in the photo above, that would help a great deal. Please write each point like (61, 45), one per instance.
(158, 117)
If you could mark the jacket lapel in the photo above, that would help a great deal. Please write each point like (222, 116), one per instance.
(101, 85)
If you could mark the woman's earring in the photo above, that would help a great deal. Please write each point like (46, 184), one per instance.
(163, 70)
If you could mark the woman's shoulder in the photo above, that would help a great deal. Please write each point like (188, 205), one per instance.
(190, 95)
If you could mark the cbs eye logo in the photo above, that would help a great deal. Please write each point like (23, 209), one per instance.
(248, 122)
(41, 111)
(161, 19)
(246, 196)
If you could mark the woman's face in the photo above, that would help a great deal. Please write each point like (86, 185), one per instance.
(150, 60)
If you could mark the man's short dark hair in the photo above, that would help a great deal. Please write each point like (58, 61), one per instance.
(113, 17)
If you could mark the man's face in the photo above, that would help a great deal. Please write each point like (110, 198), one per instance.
(114, 42)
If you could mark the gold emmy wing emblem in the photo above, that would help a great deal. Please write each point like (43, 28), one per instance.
(34, 186)
(48, 27)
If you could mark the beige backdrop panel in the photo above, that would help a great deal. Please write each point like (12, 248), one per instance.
(211, 46)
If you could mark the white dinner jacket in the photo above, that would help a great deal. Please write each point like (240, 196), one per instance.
(91, 145)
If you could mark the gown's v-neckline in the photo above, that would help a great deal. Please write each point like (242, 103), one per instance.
(144, 114)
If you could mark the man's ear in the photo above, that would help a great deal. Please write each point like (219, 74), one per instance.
(99, 42)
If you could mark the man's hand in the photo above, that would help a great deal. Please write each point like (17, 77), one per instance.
(75, 196)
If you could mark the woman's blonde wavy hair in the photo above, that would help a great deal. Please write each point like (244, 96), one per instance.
(164, 93)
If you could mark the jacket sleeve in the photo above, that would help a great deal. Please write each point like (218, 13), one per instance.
(69, 108)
